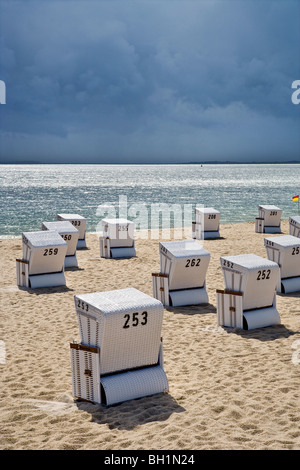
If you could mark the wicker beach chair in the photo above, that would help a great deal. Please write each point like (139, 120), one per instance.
(285, 251)
(117, 239)
(249, 298)
(268, 220)
(43, 260)
(79, 222)
(294, 226)
(70, 234)
(120, 356)
(207, 223)
(182, 277)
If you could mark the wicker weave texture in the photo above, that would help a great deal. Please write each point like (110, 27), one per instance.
(186, 263)
(126, 324)
(67, 231)
(85, 374)
(284, 250)
(77, 220)
(254, 276)
(208, 218)
(119, 231)
(271, 215)
(45, 252)
(294, 226)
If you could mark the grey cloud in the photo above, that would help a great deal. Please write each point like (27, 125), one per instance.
(140, 78)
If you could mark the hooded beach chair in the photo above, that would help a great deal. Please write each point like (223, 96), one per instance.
(79, 222)
(268, 220)
(182, 277)
(43, 260)
(294, 226)
(120, 356)
(249, 298)
(70, 234)
(207, 223)
(285, 251)
(117, 239)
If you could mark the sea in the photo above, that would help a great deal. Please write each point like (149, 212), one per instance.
(152, 196)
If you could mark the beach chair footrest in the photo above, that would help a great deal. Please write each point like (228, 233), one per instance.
(47, 280)
(291, 284)
(260, 318)
(81, 244)
(71, 261)
(188, 297)
(123, 252)
(130, 385)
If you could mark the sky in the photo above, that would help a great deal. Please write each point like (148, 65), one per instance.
(140, 81)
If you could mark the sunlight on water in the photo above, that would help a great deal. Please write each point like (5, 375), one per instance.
(31, 194)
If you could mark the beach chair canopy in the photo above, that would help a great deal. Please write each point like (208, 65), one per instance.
(284, 250)
(67, 231)
(45, 251)
(77, 220)
(254, 276)
(271, 215)
(185, 262)
(119, 231)
(125, 324)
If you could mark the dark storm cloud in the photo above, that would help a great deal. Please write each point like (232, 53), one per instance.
(155, 80)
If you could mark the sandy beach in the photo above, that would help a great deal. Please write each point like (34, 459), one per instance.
(228, 389)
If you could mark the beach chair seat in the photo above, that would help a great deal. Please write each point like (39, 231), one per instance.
(117, 238)
(207, 223)
(268, 220)
(120, 354)
(249, 298)
(70, 234)
(43, 260)
(182, 277)
(294, 226)
(79, 222)
(285, 251)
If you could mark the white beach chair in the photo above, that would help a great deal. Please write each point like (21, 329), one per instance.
(70, 234)
(249, 298)
(285, 251)
(117, 239)
(79, 222)
(43, 260)
(294, 226)
(207, 223)
(120, 356)
(182, 277)
(268, 220)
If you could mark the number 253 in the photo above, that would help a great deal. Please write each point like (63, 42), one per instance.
(134, 319)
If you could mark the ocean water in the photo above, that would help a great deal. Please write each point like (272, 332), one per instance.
(31, 194)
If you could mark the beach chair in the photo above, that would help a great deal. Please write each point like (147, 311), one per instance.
(207, 223)
(182, 277)
(294, 226)
(43, 260)
(120, 356)
(285, 251)
(249, 298)
(79, 222)
(70, 234)
(117, 239)
(268, 220)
